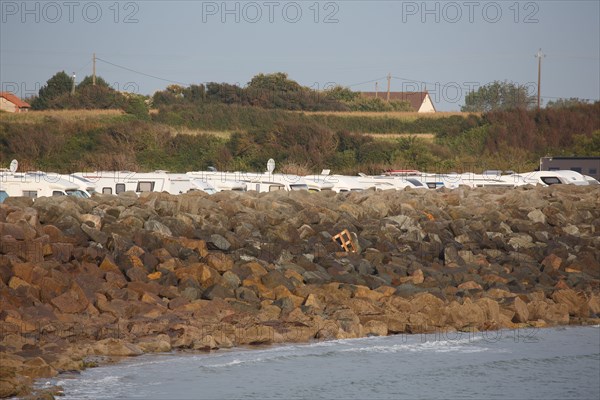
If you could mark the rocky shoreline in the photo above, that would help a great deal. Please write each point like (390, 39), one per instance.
(86, 281)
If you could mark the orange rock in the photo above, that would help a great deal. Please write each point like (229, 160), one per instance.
(576, 302)
(470, 285)
(219, 261)
(108, 265)
(135, 251)
(312, 301)
(375, 328)
(155, 275)
(561, 285)
(552, 261)
(195, 244)
(23, 271)
(72, 301)
(365, 292)
(386, 291)
(293, 275)
(257, 269)
(37, 368)
(281, 292)
(16, 282)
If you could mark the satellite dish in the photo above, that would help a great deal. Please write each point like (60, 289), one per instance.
(271, 165)
(14, 164)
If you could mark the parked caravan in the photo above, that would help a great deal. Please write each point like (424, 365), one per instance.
(492, 179)
(547, 178)
(36, 185)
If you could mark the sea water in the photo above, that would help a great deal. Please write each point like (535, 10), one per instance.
(556, 363)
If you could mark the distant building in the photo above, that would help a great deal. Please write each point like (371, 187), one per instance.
(11, 103)
(584, 165)
(419, 101)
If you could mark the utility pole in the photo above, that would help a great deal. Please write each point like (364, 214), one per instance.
(539, 55)
(376, 88)
(73, 85)
(389, 79)
(94, 70)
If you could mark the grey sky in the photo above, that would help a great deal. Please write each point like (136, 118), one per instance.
(451, 46)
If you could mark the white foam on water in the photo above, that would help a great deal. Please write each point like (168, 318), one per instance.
(439, 346)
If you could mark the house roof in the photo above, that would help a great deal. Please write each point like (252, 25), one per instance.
(415, 99)
(14, 99)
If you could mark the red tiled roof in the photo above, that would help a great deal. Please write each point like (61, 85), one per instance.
(414, 98)
(14, 99)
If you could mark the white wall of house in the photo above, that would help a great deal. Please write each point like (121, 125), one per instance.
(427, 106)
(6, 105)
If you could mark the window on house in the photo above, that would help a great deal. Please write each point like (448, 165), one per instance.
(120, 187)
(593, 171)
(576, 169)
(553, 169)
(106, 190)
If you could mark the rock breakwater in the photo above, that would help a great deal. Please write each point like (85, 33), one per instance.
(84, 281)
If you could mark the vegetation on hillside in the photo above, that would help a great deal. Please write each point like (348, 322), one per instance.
(297, 141)
(214, 116)
(302, 129)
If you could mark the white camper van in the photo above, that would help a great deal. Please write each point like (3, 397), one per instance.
(35, 184)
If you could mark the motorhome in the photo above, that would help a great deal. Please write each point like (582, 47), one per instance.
(491, 179)
(219, 181)
(115, 182)
(345, 183)
(258, 181)
(84, 184)
(34, 185)
(547, 178)
(319, 183)
(183, 183)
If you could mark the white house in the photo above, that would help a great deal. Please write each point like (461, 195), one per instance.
(419, 101)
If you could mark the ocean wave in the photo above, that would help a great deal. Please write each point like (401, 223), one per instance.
(439, 346)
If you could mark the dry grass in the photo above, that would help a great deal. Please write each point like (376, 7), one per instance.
(194, 132)
(402, 115)
(62, 115)
(429, 137)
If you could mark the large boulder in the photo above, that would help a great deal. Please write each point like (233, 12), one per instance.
(115, 348)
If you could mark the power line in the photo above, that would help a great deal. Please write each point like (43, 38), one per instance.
(79, 70)
(141, 73)
(364, 83)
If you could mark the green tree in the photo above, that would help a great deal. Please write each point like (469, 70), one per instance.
(498, 96)
(89, 97)
(136, 105)
(194, 93)
(89, 81)
(277, 81)
(341, 93)
(57, 85)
